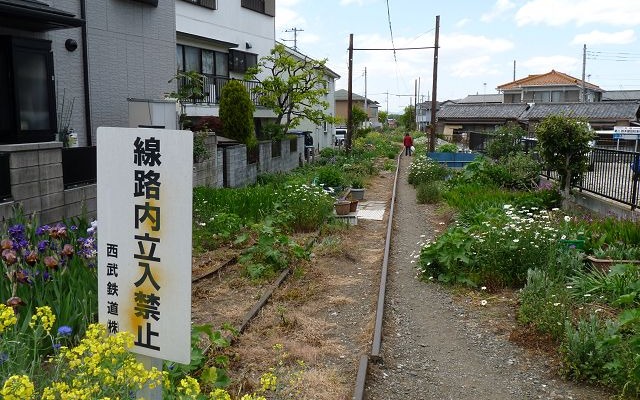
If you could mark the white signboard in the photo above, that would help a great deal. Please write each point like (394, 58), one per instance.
(144, 246)
(626, 132)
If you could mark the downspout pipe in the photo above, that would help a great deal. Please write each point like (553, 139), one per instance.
(85, 73)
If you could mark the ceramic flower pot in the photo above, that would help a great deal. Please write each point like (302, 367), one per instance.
(342, 207)
(356, 194)
(353, 206)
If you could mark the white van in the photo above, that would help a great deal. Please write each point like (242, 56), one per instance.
(341, 134)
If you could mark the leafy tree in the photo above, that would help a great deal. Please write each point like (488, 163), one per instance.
(236, 113)
(382, 117)
(505, 140)
(564, 146)
(358, 116)
(408, 118)
(294, 88)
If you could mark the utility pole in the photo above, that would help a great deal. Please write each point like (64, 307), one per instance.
(415, 106)
(349, 97)
(432, 141)
(514, 70)
(366, 106)
(584, 68)
(295, 36)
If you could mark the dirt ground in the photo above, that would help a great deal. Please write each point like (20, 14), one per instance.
(437, 343)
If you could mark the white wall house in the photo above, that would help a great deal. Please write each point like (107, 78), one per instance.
(221, 39)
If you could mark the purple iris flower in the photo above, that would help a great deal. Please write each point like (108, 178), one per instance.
(42, 245)
(42, 230)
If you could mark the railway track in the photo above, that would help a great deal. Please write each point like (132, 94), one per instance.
(224, 271)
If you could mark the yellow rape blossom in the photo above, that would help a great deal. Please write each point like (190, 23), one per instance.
(219, 394)
(268, 381)
(17, 387)
(7, 317)
(190, 387)
(252, 397)
(46, 317)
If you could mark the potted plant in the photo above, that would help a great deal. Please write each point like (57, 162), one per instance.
(356, 192)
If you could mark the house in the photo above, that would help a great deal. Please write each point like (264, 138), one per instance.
(621, 95)
(492, 98)
(72, 65)
(460, 119)
(551, 87)
(220, 40)
(469, 123)
(372, 107)
(423, 115)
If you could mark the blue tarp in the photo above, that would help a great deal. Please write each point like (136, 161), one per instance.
(452, 160)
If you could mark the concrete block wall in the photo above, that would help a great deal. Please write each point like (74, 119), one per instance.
(205, 173)
(237, 172)
(219, 167)
(37, 185)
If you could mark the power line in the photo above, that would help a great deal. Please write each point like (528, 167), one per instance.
(391, 32)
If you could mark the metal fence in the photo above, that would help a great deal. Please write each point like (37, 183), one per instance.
(5, 177)
(611, 175)
(78, 166)
(213, 87)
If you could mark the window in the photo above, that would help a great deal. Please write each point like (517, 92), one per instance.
(267, 7)
(211, 4)
(207, 62)
(27, 91)
(239, 61)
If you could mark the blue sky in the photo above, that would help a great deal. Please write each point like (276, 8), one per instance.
(479, 41)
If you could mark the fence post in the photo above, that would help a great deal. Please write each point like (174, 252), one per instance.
(634, 189)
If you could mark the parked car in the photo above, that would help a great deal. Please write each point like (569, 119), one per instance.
(341, 134)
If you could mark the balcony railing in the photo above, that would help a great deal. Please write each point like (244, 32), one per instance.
(5, 177)
(78, 166)
(213, 87)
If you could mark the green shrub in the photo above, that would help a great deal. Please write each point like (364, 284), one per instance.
(220, 228)
(585, 352)
(447, 148)
(428, 193)
(303, 208)
(328, 152)
(544, 303)
(423, 170)
(504, 141)
(331, 175)
(236, 113)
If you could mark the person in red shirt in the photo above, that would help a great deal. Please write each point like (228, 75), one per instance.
(408, 143)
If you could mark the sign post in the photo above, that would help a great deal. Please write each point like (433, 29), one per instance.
(144, 270)
(626, 132)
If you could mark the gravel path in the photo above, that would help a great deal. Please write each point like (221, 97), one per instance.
(434, 348)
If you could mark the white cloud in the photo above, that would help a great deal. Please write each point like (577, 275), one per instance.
(499, 9)
(541, 65)
(597, 37)
(477, 66)
(349, 2)
(466, 42)
(286, 16)
(462, 23)
(562, 12)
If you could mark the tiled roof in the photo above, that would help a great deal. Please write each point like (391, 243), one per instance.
(481, 98)
(341, 95)
(593, 111)
(553, 78)
(482, 111)
(621, 95)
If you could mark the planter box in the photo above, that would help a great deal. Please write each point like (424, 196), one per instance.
(452, 160)
(604, 264)
(356, 194)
